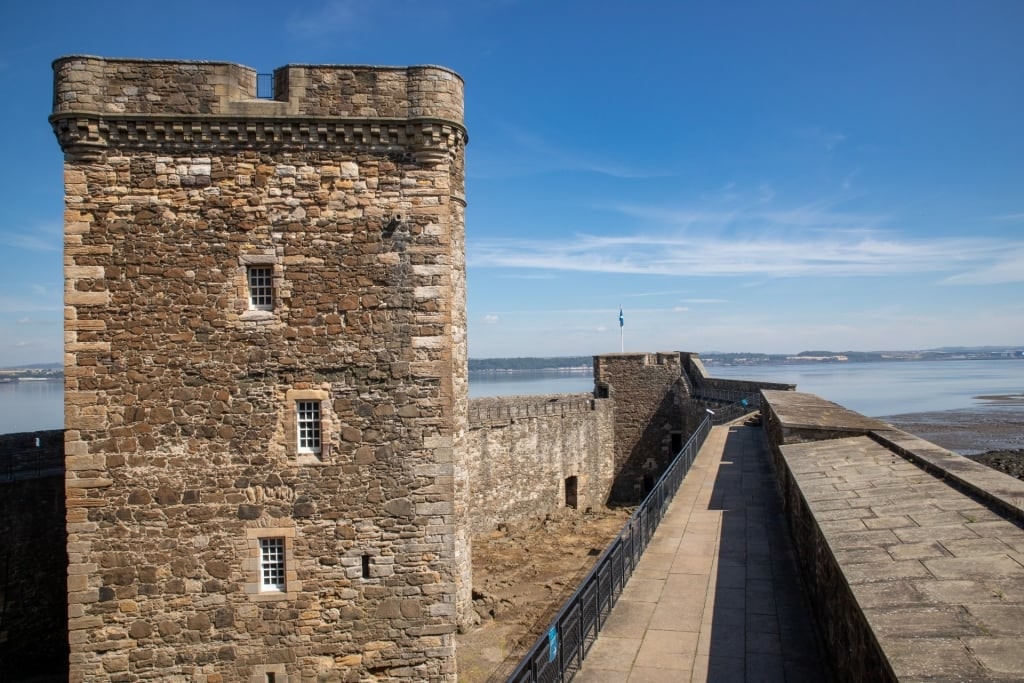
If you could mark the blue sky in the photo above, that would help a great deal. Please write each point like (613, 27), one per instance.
(738, 176)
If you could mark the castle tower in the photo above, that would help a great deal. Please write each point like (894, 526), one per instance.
(650, 392)
(266, 382)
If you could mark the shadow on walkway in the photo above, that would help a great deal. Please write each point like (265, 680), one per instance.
(716, 595)
(762, 628)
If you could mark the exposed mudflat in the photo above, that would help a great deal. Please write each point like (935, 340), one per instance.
(992, 433)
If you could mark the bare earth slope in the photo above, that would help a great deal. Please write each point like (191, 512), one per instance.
(521, 576)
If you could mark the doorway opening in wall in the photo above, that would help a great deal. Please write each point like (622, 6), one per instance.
(677, 443)
(571, 492)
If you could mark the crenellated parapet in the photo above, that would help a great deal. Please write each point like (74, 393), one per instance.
(170, 106)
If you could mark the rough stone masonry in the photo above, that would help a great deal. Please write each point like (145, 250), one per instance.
(265, 371)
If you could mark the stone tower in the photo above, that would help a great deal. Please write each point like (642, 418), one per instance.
(265, 343)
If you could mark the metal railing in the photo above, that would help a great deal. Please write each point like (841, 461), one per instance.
(726, 410)
(558, 654)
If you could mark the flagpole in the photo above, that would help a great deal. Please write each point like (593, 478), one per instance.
(622, 323)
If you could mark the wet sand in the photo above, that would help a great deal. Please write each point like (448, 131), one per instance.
(992, 433)
(997, 423)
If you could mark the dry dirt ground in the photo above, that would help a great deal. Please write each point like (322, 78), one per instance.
(521, 575)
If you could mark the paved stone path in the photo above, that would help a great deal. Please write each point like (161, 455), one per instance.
(714, 597)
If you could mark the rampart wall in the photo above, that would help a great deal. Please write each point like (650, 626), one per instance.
(913, 555)
(531, 455)
(33, 557)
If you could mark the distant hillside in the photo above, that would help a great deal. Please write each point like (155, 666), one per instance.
(756, 358)
(504, 364)
(35, 366)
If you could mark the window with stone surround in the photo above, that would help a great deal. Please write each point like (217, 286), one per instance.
(272, 564)
(270, 567)
(258, 284)
(309, 426)
(261, 288)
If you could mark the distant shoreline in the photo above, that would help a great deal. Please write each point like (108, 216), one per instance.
(13, 380)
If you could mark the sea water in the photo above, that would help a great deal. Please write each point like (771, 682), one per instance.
(874, 389)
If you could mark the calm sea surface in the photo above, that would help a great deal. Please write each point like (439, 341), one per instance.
(31, 406)
(874, 389)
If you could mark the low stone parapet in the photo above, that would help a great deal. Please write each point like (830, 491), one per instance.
(911, 554)
(497, 410)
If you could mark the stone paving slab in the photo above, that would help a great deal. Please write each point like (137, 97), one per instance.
(715, 597)
(805, 416)
(936, 573)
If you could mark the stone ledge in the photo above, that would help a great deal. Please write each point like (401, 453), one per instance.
(913, 555)
(995, 488)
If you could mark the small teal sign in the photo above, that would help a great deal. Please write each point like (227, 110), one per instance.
(552, 643)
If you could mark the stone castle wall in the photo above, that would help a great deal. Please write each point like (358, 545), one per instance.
(523, 449)
(181, 396)
(649, 391)
(33, 557)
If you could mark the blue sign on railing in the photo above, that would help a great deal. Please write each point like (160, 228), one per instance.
(552, 643)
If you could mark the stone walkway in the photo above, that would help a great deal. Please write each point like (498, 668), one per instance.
(714, 597)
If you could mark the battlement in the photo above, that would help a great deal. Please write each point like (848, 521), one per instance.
(169, 106)
(188, 88)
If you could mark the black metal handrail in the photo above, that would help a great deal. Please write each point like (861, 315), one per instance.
(558, 654)
(734, 406)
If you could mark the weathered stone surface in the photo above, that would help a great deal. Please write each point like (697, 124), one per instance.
(522, 451)
(930, 588)
(349, 187)
(650, 393)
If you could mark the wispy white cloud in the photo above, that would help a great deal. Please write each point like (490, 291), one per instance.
(47, 237)
(1010, 217)
(528, 276)
(21, 306)
(822, 215)
(798, 242)
(527, 153)
(1005, 266)
(334, 16)
(660, 293)
(820, 136)
(491, 319)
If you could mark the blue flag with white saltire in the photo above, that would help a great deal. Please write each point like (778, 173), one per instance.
(622, 321)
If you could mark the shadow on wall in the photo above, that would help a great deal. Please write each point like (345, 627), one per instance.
(33, 558)
(652, 453)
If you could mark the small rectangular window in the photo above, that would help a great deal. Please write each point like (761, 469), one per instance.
(308, 422)
(261, 288)
(272, 564)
